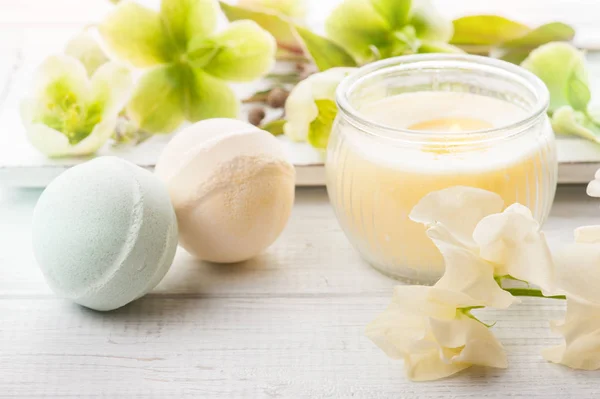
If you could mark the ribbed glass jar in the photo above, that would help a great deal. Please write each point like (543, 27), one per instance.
(378, 169)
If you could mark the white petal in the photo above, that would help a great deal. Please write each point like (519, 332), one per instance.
(112, 85)
(581, 330)
(577, 271)
(300, 107)
(67, 69)
(512, 240)
(593, 188)
(458, 208)
(587, 234)
(478, 345)
(430, 366)
(55, 144)
(467, 272)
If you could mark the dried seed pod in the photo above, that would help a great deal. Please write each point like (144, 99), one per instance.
(277, 97)
(256, 115)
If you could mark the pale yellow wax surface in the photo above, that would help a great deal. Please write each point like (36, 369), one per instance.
(375, 184)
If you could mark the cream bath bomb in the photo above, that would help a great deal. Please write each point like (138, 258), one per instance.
(232, 188)
(104, 233)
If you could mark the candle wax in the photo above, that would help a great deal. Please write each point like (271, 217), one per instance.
(375, 185)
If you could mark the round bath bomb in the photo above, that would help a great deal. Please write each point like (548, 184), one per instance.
(232, 188)
(104, 233)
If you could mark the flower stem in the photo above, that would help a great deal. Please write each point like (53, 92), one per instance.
(531, 292)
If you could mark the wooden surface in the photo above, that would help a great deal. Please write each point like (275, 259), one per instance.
(288, 324)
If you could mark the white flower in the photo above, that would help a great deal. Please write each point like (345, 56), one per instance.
(479, 242)
(86, 49)
(578, 277)
(68, 113)
(432, 330)
(310, 108)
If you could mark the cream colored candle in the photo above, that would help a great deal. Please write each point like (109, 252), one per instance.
(374, 182)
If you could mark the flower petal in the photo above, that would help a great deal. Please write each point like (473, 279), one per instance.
(301, 108)
(274, 23)
(593, 188)
(587, 235)
(60, 72)
(208, 97)
(429, 23)
(135, 34)
(561, 66)
(245, 52)
(157, 102)
(395, 12)
(577, 272)
(86, 49)
(429, 366)
(55, 144)
(476, 342)
(468, 273)
(112, 86)
(512, 240)
(581, 330)
(458, 209)
(185, 19)
(358, 27)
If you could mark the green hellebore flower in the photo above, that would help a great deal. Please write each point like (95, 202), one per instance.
(86, 49)
(189, 63)
(310, 108)
(69, 113)
(562, 68)
(373, 29)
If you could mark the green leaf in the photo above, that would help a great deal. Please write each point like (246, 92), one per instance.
(516, 50)
(245, 52)
(562, 68)
(290, 8)
(325, 53)
(567, 121)
(359, 28)
(135, 33)
(578, 92)
(185, 19)
(429, 23)
(486, 30)
(157, 103)
(274, 127)
(552, 32)
(275, 24)
(438, 47)
(207, 97)
(320, 128)
(396, 12)
(87, 50)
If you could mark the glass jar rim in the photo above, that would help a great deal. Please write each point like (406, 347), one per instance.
(440, 60)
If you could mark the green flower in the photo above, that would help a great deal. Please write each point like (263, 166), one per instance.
(374, 29)
(188, 62)
(562, 68)
(310, 108)
(68, 113)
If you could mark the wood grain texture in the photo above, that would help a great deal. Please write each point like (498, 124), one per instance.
(288, 324)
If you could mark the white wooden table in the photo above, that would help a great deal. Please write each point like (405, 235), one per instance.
(288, 324)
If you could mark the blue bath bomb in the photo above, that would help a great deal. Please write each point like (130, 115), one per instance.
(104, 233)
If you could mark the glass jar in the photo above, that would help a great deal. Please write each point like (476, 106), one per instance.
(411, 125)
